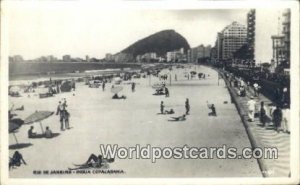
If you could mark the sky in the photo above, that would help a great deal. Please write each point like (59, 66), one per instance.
(66, 27)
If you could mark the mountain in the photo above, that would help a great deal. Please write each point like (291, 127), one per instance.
(160, 43)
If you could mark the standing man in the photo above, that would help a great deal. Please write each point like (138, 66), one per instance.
(67, 116)
(58, 108)
(251, 108)
(167, 92)
(262, 115)
(162, 107)
(103, 85)
(255, 87)
(277, 118)
(187, 106)
(133, 87)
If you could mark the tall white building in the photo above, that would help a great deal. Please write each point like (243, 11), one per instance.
(234, 36)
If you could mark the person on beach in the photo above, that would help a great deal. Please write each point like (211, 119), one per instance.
(16, 160)
(167, 92)
(171, 111)
(103, 86)
(213, 109)
(162, 106)
(59, 108)
(262, 115)
(66, 117)
(48, 133)
(31, 133)
(116, 96)
(133, 87)
(277, 118)
(94, 161)
(61, 119)
(179, 118)
(64, 104)
(187, 106)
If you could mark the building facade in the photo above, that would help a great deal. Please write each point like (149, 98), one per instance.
(66, 58)
(234, 36)
(108, 57)
(286, 31)
(16, 58)
(199, 52)
(176, 55)
(251, 20)
(281, 42)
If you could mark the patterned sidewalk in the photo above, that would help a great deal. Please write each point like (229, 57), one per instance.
(264, 136)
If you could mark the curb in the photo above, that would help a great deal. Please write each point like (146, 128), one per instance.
(253, 141)
(243, 114)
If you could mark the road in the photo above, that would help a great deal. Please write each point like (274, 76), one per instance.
(97, 119)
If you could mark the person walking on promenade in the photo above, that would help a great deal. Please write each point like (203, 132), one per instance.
(285, 118)
(262, 115)
(277, 118)
(284, 97)
(162, 107)
(248, 85)
(187, 106)
(255, 87)
(251, 108)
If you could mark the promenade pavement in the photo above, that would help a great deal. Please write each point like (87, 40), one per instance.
(264, 136)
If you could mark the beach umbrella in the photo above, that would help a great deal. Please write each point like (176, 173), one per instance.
(116, 89)
(117, 80)
(13, 126)
(38, 116)
(157, 86)
(15, 89)
(66, 86)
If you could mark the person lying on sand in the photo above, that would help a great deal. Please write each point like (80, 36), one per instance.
(180, 118)
(20, 108)
(118, 97)
(93, 162)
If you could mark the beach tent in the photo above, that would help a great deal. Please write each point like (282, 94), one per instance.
(116, 89)
(14, 90)
(117, 80)
(13, 126)
(38, 116)
(66, 86)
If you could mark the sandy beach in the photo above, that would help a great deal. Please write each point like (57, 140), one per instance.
(97, 119)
